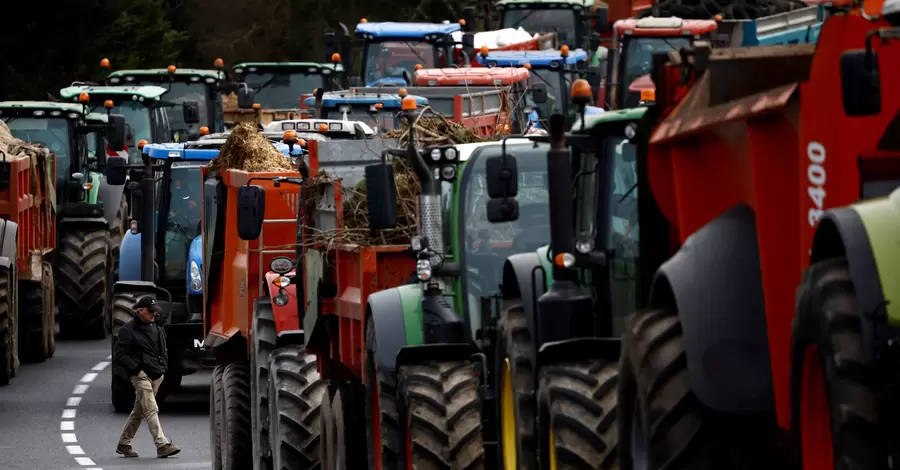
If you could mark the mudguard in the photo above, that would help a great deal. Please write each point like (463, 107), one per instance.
(195, 257)
(5, 262)
(94, 193)
(142, 287)
(725, 340)
(109, 195)
(386, 309)
(130, 257)
(9, 233)
(99, 222)
(518, 272)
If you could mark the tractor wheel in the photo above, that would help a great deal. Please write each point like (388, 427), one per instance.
(382, 417)
(296, 393)
(235, 420)
(578, 411)
(215, 417)
(349, 434)
(116, 234)
(668, 426)
(121, 390)
(442, 416)
(262, 343)
(836, 398)
(515, 386)
(8, 345)
(49, 302)
(123, 309)
(81, 283)
(326, 431)
(32, 346)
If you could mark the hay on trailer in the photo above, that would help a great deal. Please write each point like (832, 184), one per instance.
(434, 129)
(248, 150)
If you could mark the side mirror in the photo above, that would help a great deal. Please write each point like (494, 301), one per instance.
(381, 196)
(539, 93)
(115, 170)
(251, 211)
(595, 76)
(502, 176)
(245, 97)
(116, 133)
(860, 83)
(595, 41)
(468, 40)
(502, 210)
(190, 110)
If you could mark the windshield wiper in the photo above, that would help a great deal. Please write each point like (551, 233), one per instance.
(415, 52)
(523, 18)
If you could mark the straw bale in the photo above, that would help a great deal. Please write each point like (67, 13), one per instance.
(435, 129)
(248, 150)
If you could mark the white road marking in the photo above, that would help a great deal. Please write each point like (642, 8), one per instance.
(67, 422)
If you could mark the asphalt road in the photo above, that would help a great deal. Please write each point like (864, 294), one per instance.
(57, 415)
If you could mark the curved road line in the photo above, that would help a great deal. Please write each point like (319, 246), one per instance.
(67, 421)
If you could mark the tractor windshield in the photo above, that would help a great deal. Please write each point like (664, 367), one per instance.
(562, 21)
(391, 58)
(382, 121)
(556, 84)
(282, 90)
(624, 233)
(183, 221)
(637, 59)
(53, 133)
(485, 245)
(186, 91)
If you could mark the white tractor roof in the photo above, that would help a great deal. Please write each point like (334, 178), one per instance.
(312, 125)
(465, 150)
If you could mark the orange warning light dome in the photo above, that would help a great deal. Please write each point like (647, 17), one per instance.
(104, 63)
(718, 18)
(648, 94)
(527, 66)
(379, 106)
(289, 135)
(256, 106)
(402, 92)
(581, 89)
(204, 130)
(219, 63)
(418, 67)
(484, 50)
(564, 50)
(408, 103)
(171, 69)
(323, 127)
(301, 142)
(141, 143)
(363, 20)
(335, 58)
(108, 104)
(84, 97)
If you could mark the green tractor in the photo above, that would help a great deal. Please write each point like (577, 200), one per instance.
(79, 140)
(279, 88)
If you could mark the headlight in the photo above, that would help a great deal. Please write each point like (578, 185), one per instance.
(448, 172)
(280, 300)
(450, 154)
(281, 265)
(281, 281)
(584, 246)
(423, 270)
(435, 154)
(196, 282)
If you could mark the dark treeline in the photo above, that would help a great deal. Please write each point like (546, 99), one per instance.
(45, 45)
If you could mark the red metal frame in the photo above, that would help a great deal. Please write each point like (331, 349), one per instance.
(484, 76)
(772, 151)
(693, 27)
(27, 203)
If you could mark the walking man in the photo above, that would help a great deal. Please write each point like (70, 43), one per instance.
(141, 355)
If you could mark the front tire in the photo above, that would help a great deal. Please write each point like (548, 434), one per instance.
(81, 283)
(32, 323)
(216, 397)
(235, 429)
(7, 329)
(382, 416)
(835, 397)
(517, 403)
(443, 416)
(296, 393)
(262, 343)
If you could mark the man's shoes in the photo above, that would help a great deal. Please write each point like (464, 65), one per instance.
(125, 451)
(167, 450)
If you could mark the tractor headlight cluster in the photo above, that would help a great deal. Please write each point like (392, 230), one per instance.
(196, 281)
(281, 265)
(443, 160)
(423, 270)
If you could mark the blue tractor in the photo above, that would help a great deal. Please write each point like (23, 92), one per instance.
(377, 110)
(167, 265)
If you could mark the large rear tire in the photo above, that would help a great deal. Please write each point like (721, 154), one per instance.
(443, 416)
(48, 285)
(8, 345)
(516, 388)
(81, 283)
(216, 397)
(116, 234)
(578, 409)
(382, 416)
(835, 396)
(122, 309)
(236, 443)
(32, 346)
(262, 343)
(349, 435)
(296, 393)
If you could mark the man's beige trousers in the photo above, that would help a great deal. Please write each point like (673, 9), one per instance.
(145, 409)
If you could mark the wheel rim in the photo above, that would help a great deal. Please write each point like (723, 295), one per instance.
(815, 415)
(507, 418)
(638, 452)
(552, 448)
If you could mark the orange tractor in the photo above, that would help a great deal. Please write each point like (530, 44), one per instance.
(750, 152)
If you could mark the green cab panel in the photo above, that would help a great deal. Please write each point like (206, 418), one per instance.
(96, 181)
(411, 302)
(545, 264)
(881, 218)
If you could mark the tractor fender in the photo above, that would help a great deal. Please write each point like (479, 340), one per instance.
(5, 262)
(578, 349)
(386, 309)
(714, 281)
(98, 222)
(110, 196)
(9, 233)
(195, 256)
(130, 257)
(286, 316)
(142, 287)
(518, 272)
(435, 352)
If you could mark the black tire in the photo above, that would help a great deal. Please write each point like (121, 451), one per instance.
(296, 393)
(668, 420)
(49, 296)
(123, 309)
(326, 432)
(443, 415)
(262, 343)
(235, 431)
(516, 346)
(216, 397)
(831, 333)
(116, 234)
(349, 434)
(32, 344)
(81, 283)
(579, 403)
(383, 442)
(7, 329)
(121, 391)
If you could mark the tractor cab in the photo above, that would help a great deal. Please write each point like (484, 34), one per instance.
(573, 21)
(333, 129)
(377, 110)
(143, 107)
(391, 51)
(282, 85)
(183, 86)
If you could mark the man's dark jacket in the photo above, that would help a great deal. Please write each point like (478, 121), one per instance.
(141, 347)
